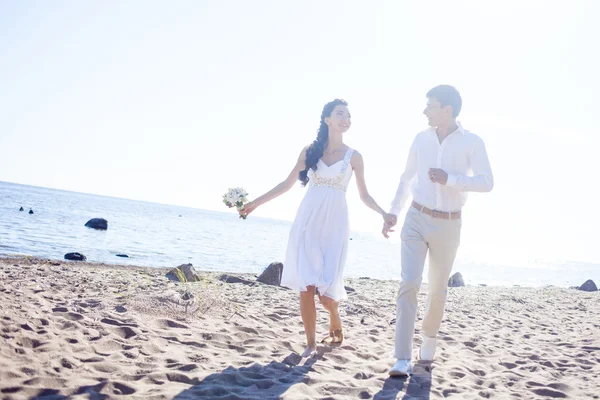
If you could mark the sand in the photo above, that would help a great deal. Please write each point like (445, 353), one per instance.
(83, 330)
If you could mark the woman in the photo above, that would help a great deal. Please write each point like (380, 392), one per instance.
(318, 241)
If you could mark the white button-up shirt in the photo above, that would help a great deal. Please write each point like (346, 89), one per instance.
(461, 154)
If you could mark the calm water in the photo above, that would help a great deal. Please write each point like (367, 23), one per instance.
(160, 235)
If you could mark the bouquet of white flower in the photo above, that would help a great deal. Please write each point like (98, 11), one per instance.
(236, 197)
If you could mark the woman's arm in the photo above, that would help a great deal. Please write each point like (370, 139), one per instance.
(359, 169)
(280, 189)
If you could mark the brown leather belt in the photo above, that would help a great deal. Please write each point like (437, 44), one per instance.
(437, 214)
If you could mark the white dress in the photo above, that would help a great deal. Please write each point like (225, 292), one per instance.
(318, 241)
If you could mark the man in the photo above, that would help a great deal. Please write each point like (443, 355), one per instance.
(444, 163)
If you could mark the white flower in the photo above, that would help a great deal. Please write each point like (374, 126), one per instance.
(235, 197)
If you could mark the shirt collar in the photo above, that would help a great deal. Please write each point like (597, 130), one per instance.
(460, 129)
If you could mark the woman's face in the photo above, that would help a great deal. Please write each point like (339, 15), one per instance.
(340, 119)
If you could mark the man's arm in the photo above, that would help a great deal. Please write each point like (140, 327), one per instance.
(406, 179)
(482, 179)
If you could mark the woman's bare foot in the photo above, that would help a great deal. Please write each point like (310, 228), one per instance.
(309, 351)
(335, 337)
(335, 322)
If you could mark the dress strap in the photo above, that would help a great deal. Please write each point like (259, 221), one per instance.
(347, 158)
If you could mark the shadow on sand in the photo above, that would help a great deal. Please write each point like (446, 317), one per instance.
(418, 385)
(254, 382)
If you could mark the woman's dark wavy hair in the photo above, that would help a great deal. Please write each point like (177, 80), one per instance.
(316, 148)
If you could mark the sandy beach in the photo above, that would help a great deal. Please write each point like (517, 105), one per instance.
(83, 330)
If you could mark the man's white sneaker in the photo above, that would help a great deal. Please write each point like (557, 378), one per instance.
(401, 368)
(427, 350)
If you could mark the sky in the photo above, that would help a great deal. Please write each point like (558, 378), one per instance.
(175, 102)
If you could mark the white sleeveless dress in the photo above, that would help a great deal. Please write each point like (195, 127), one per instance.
(318, 241)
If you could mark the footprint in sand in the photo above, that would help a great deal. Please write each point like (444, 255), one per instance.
(125, 332)
(93, 359)
(107, 388)
(72, 316)
(167, 323)
(114, 322)
(198, 358)
(26, 327)
(30, 343)
(477, 372)
(130, 355)
(549, 393)
(187, 367)
(106, 367)
(69, 364)
(362, 376)
(247, 329)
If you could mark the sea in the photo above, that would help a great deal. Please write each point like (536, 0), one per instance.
(161, 235)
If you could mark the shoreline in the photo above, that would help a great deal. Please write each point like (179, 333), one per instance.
(80, 329)
(251, 275)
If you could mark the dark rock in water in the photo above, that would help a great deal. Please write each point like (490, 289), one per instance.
(272, 274)
(75, 257)
(122, 255)
(234, 279)
(588, 286)
(30, 211)
(21, 209)
(183, 273)
(349, 289)
(456, 280)
(187, 295)
(97, 223)
(120, 309)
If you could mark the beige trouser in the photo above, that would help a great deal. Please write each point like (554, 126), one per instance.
(441, 237)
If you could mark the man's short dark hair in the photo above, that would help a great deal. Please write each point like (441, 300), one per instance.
(447, 96)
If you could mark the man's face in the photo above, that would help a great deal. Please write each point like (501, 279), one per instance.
(436, 114)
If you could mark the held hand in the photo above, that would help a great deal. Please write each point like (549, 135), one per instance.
(390, 219)
(247, 209)
(386, 230)
(437, 175)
